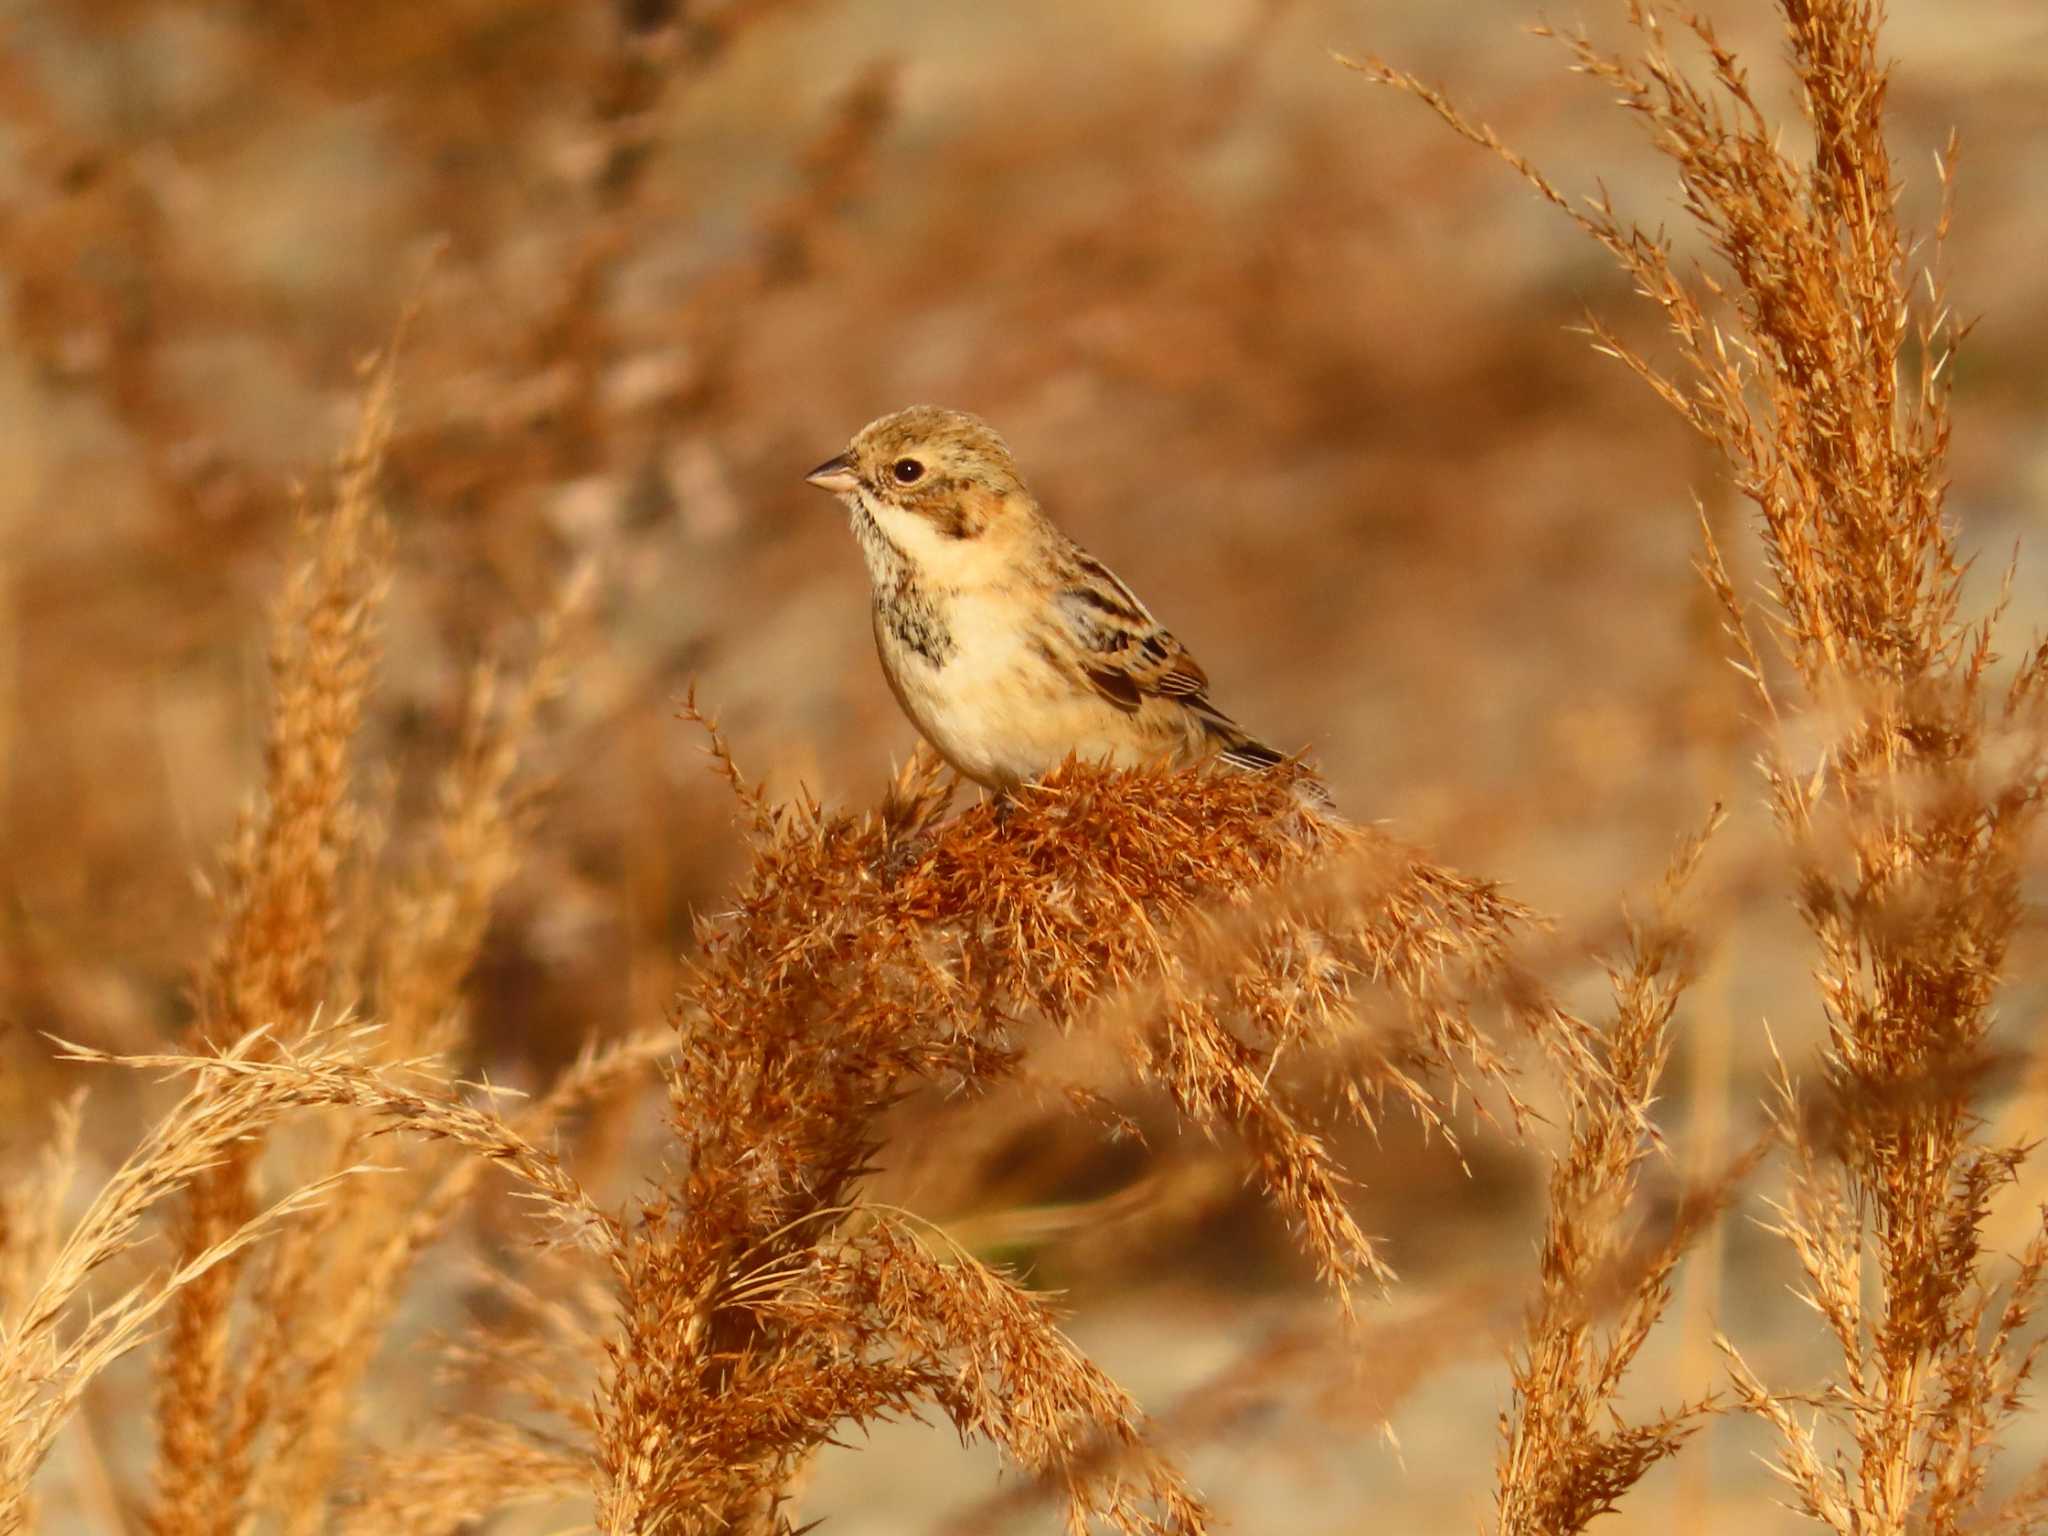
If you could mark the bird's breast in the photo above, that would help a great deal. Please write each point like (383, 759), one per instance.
(996, 699)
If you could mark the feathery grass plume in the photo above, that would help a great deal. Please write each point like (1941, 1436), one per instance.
(334, 1070)
(328, 1290)
(49, 1353)
(407, 1095)
(31, 1225)
(32, 1208)
(278, 904)
(1214, 927)
(270, 965)
(765, 1305)
(1562, 1461)
(486, 809)
(1818, 366)
(255, 1424)
(302, 1480)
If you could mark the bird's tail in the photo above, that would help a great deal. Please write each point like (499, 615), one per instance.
(1248, 754)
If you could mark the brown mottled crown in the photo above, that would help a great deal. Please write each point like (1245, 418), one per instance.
(960, 471)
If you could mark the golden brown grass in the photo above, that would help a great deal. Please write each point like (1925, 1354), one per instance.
(1220, 935)
(870, 955)
(1815, 357)
(271, 965)
(1142, 956)
(762, 1306)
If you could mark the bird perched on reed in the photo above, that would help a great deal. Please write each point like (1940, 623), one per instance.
(1007, 644)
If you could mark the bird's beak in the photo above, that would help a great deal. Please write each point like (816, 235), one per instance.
(835, 475)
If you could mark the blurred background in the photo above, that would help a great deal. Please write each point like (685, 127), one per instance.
(1298, 364)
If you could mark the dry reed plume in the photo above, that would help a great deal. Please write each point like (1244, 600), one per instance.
(1816, 359)
(866, 956)
(1567, 1455)
(256, 1398)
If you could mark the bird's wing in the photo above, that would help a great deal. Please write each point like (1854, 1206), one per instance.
(1127, 657)
(1120, 648)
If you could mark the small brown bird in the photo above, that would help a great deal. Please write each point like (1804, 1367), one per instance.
(1006, 643)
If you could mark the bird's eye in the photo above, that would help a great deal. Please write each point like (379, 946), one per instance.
(907, 471)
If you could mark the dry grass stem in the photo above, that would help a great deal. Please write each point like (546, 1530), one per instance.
(1567, 1456)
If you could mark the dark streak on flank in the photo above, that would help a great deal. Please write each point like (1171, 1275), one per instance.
(914, 620)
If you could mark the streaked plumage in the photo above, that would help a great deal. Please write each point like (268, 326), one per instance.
(1007, 644)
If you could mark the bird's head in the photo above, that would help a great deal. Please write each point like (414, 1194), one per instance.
(938, 486)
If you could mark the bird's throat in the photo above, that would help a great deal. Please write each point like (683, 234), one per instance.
(888, 566)
(903, 606)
